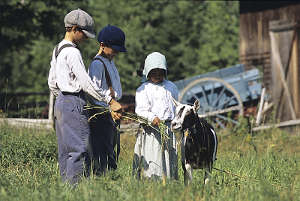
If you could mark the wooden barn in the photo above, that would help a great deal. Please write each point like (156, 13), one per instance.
(270, 41)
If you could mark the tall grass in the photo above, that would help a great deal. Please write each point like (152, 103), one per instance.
(262, 166)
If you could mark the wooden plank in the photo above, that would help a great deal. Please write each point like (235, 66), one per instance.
(129, 127)
(295, 74)
(278, 65)
(282, 25)
(208, 114)
(47, 124)
(294, 122)
(51, 110)
(51, 105)
(263, 55)
(259, 32)
(251, 46)
(261, 103)
(285, 42)
(267, 107)
(24, 94)
(28, 123)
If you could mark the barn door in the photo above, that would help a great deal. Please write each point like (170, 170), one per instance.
(285, 87)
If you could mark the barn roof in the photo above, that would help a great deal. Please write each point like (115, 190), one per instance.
(255, 6)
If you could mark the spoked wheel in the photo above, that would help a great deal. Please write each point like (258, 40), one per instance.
(219, 101)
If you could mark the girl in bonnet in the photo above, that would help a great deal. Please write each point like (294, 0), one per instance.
(154, 102)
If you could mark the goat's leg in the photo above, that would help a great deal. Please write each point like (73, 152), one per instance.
(183, 162)
(184, 172)
(188, 174)
(207, 173)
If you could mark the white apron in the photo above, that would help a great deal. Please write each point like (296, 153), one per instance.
(153, 160)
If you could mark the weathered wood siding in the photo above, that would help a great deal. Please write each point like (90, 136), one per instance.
(284, 59)
(255, 39)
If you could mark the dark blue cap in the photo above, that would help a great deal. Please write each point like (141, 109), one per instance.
(113, 37)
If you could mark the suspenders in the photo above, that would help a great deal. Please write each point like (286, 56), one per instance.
(57, 51)
(112, 93)
(107, 77)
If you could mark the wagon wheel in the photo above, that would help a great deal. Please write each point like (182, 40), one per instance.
(219, 101)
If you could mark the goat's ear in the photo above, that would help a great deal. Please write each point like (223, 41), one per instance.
(175, 102)
(196, 105)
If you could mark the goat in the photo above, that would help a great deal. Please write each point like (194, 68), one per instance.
(199, 141)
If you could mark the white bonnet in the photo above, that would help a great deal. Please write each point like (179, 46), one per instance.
(154, 60)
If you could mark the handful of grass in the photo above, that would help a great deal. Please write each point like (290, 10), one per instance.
(162, 128)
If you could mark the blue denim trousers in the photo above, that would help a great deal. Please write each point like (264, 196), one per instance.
(103, 141)
(73, 132)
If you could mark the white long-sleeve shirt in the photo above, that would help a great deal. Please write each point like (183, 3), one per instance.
(155, 100)
(97, 73)
(68, 74)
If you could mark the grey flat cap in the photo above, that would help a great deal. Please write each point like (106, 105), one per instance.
(83, 20)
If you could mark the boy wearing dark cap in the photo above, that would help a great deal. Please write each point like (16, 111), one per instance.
(105, 74)
(69, 81)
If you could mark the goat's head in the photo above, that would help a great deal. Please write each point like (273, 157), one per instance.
(185, 115)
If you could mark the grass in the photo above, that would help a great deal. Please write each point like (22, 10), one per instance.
(261, 166)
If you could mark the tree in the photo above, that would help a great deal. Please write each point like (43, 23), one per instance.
(25, 27)
(219, 42)
(195, 36)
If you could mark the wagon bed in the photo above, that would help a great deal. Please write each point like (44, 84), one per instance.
(222, 93)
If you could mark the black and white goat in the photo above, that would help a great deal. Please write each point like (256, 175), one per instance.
(199, 141)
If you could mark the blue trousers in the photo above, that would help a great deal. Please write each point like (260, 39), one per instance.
(103, 141)
(72, 131)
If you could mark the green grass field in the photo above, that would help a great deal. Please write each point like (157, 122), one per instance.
(260, 166)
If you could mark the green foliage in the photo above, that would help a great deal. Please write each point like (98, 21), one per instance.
(195, 36)
(25, 27)
(219, 38)
(29, 171)
(244, 126)
(26, 147)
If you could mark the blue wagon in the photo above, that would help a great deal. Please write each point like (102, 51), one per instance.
(222, 93)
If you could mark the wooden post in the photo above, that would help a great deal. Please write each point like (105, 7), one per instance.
(51, 108)
(261, 103)
(295, 75)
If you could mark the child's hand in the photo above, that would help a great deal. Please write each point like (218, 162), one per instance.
(115, 109)
(115, 106)
(155, 121)
(115, 115)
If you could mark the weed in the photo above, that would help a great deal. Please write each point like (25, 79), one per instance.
(270, 171)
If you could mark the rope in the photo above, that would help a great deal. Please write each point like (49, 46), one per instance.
(227, 172)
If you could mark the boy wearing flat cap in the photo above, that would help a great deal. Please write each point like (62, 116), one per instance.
(104, 73)
(69, 81)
